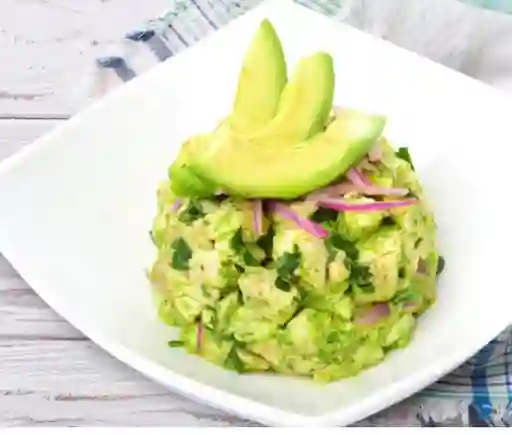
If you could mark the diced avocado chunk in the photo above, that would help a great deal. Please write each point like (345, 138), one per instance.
(251, 361)
(206, 343)
(306, 254)
(400, 332)
(379, 259)
(265, 306)
(225, 310)
(354, 225)
(305, 331)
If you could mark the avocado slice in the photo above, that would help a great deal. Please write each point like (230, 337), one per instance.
(273, 169)
(305, 103)
(184, 182)
(261, 81)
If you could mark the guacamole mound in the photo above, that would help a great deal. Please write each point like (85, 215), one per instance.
(276, 296)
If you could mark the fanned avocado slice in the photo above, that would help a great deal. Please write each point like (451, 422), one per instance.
(305, 103)
(184, 182)
(261, 81)
(270, 169)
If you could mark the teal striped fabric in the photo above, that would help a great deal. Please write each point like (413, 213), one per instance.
(496, 5)
(477, 394)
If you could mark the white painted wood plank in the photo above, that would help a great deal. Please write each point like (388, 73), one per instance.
(15, 134)
(73, 383)
(48, 49)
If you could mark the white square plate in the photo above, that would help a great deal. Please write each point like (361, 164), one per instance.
(76, 206)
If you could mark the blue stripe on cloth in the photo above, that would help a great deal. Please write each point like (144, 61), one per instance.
(481, 398)
(508, 374)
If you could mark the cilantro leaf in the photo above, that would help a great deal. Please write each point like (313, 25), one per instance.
(341, 244)
(324, 215)
(181, 255)
(440, 265)
(287, 264)
(193, 212)
(403, 153)
(281, 284)
(266, 242)
(237, 243)
(233, 361)
(249, 259)
(404, 296)
(360, 274)
(175, 343)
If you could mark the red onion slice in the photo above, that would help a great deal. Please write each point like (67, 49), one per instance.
(356, 177)
(369, 190)
(257, 216)
(199, 337)
(374, 314)
(342, 205)
(176, 205)
(307, 225)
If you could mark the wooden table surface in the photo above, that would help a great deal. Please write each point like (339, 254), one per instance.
(50, 374)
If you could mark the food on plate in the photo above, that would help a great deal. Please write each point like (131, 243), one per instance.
(294, 237)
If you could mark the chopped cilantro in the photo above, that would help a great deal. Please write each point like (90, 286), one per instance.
(324, 215)
(233, 361)
(440, 265)
(237, 243)
(176, 343)
(388, 221)
(287, 264)
(401, 272)
(181, 255)
(404, 296)
(281, 284)
(361, 275)
(338, 242)
(193, 212)
(266, 242)
(249, 259)
(367, 288)
(244, 254)
(403, 153)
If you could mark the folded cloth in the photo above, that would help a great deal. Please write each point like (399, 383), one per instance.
(477, 394)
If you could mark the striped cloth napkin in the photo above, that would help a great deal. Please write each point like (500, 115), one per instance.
(477, 394)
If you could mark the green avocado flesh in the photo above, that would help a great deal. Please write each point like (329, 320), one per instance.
(261, 81)
(184, 181)
(284, 300)
(272, 170)
(258, 276)
(305, 103)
